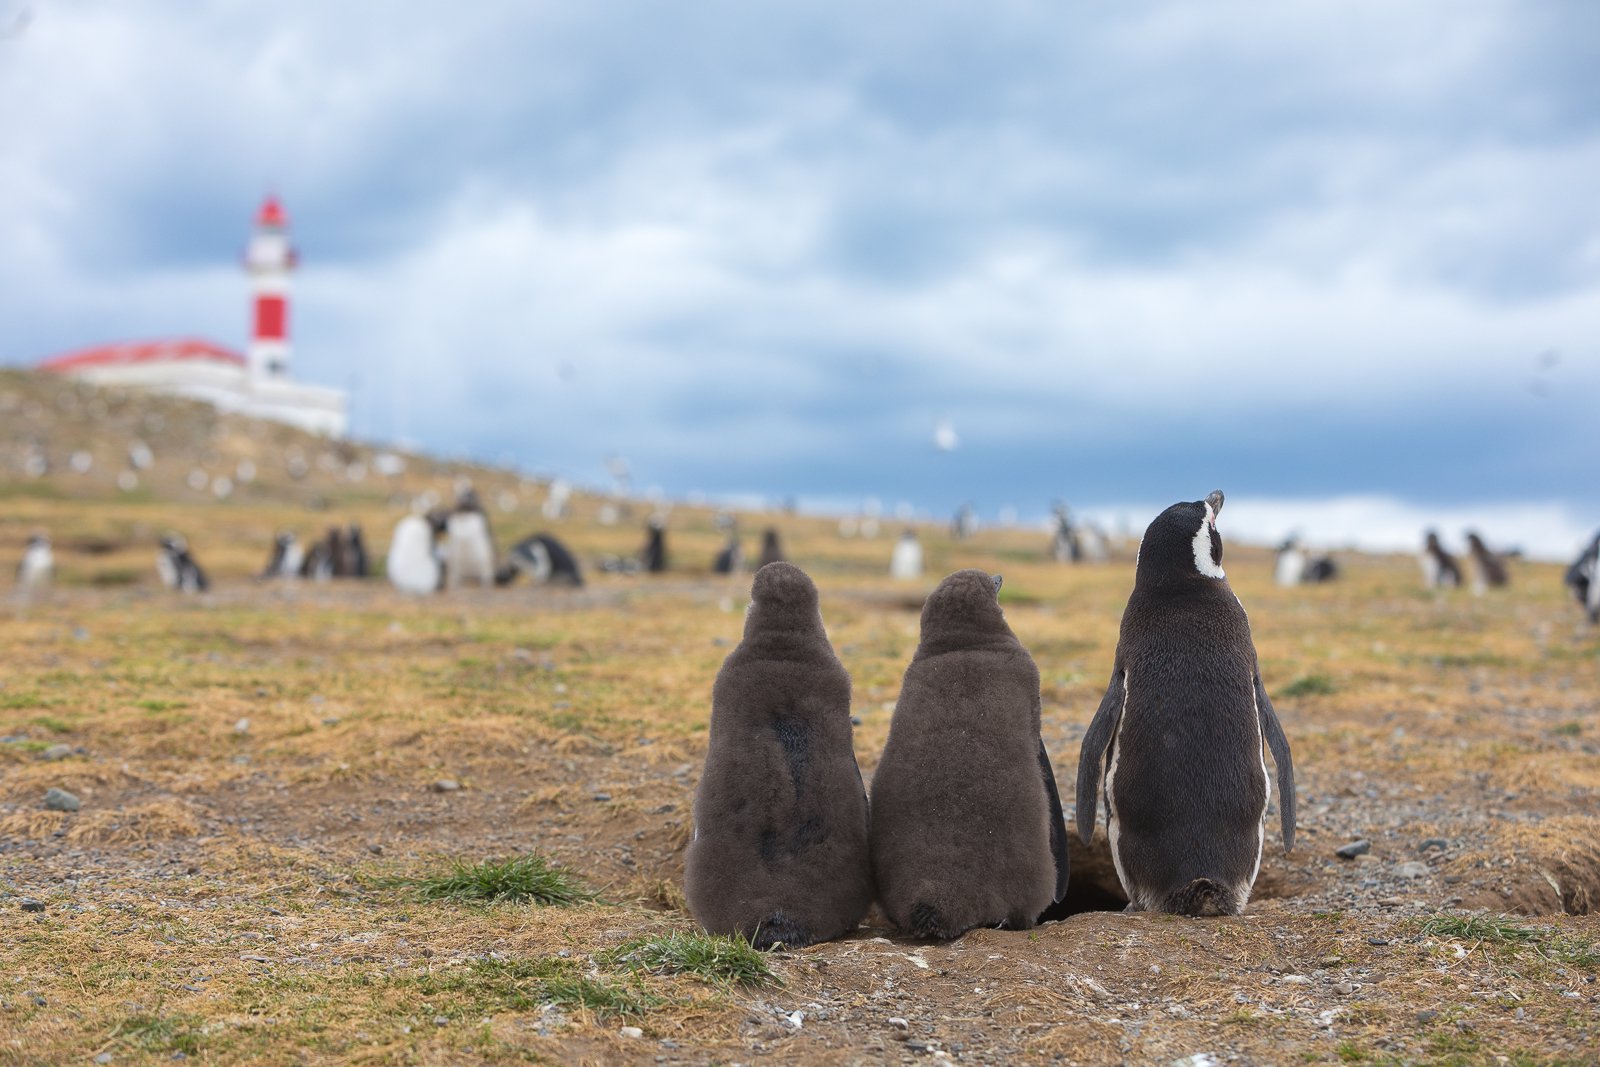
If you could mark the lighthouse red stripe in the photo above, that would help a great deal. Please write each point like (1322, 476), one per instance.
(272, 316)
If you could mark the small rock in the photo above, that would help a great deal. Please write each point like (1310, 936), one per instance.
(855, 720)
(631, 1031)
(1411, 869)
(1354, 849)
(441, 1020)
(899, 1023)
(375, 848)
(1379, 941)
(1427, 1015)
(1346, 988)
(55, 752)
(1433, 842)
(61, 800)
(29, 904)
(104, 1057)
(1295, 979)
(601, 798)
(445, 785)
(242, 726)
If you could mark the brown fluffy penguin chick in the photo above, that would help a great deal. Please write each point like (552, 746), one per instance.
(780, 843)
(966, 823)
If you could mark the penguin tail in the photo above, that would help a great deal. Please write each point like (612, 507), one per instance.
(928, 923)
(780, 929)
(1201, 897)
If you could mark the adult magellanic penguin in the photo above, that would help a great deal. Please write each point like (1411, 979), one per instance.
(1583, 578)
(1177, 742)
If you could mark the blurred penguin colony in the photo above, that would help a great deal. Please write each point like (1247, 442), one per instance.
(440, 548)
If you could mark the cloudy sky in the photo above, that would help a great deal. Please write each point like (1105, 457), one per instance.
(1302, 251)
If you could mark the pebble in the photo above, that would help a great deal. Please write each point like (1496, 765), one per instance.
(1354, 849)
(1295, 979)
(899, 1023)
(61, 800)
(29, 904)
(55, 752)
(1411, 869)
(445, 785)
(855, 720)
(104, 1057)
(1433, 842)
(1346, 988)
(631, 1031)
(441, 1020)
(601, 798)
(242, 726)
(1427, 1015)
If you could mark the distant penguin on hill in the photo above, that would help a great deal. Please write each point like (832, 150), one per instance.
(286, 558)
(1439, 568)
(771, 548)
(1295, 566)
(1583, 578)
(412, 565)
(37, 567)
(469, 549)
(1488, 568)
(730, 560)
(356, 564)
(780, 851)
(653, 559)
(967, 828)
(906, 561)
(318, 562)
(178, 569)
(964, 523)
(1177, 744)
(1064, 545)
(544, 559)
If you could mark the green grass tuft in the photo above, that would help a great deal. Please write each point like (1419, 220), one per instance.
(490, 985)
(162, 1033)
(1549, 944)
(715, 958)
(1308, 685)
(530, 878)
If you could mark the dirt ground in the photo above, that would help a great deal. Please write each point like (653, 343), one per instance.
(254, 765)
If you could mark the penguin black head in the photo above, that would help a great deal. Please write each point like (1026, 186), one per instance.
(964, 610)
(1182, 542)
(782, 595)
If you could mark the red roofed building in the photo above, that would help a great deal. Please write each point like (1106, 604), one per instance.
(256, 383)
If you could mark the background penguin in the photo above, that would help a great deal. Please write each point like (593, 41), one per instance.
(544, 559)
(1488, 569)
(654, 557)
(318, 562)
(178, 568)
(37, 567)
(286, 559)
(412, 566)
(966, 822)
(1439, 568)
(1297, 567)
(905, 563)
(1178, 738)
(771, 548)
(469, 550)
(1064, 546)
(1583, 578)
(731, 559)
(356, 564)
(780, 841)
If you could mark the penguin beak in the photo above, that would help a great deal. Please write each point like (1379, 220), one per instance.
(997, 579)
(1215, 500)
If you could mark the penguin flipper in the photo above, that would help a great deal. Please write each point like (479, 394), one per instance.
(1058, 824)
(1272, 730)
(1092, 758)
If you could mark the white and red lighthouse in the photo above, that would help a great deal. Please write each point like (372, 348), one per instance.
(270, 259)
(255, 384)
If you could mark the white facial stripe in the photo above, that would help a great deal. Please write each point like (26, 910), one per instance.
(1202, 548)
